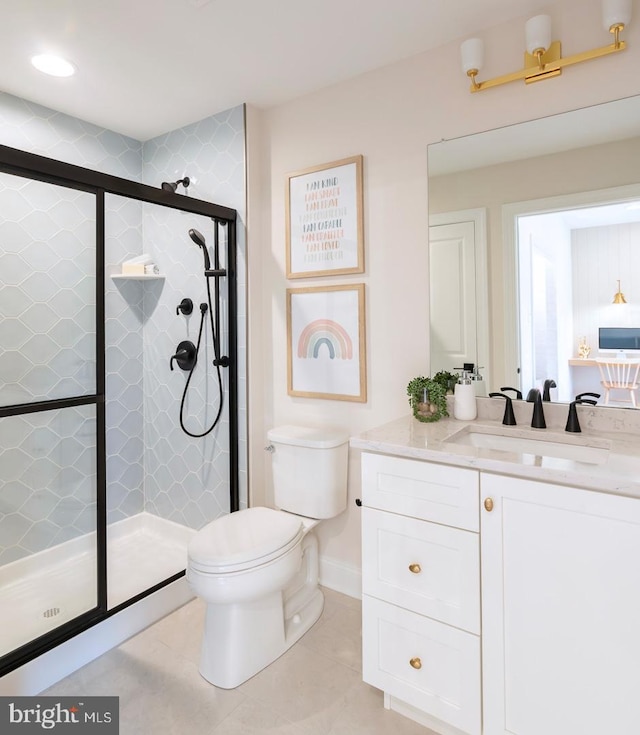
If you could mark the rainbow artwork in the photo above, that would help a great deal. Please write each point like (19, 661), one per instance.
(325, 333)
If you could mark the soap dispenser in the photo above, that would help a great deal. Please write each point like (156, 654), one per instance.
(478, 382)
(464, 398)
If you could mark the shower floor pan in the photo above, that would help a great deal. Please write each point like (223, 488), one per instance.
(47, 589)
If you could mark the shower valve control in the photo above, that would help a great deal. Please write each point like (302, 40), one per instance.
(186, 355)
(185, 306)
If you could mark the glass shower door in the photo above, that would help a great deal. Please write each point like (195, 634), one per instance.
(50, 414)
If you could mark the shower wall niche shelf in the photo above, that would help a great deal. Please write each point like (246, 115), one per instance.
(136, 277)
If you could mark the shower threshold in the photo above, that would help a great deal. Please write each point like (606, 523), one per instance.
(45, 590)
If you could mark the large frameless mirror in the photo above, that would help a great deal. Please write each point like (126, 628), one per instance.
(544, 215)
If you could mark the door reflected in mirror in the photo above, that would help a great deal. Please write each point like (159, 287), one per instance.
(458, 296)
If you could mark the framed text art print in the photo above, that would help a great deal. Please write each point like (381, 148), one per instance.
(326, 342)
(325, 220)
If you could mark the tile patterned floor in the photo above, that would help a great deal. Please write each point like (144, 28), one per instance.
(315, 688)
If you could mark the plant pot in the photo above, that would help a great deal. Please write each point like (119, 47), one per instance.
(428, 406)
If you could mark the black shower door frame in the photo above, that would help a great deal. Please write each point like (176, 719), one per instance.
(48, 170)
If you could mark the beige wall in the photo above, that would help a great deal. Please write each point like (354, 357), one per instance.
(390, 116)
(586, 169)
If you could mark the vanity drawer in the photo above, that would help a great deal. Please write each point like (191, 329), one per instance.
(433, 492)
(447, 683)
(430, 569)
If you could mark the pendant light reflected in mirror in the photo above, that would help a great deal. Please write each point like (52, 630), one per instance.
(619, 296)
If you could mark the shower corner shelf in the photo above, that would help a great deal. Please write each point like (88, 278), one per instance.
(136, 277)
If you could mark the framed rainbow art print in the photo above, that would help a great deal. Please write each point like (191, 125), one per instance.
(326, 342)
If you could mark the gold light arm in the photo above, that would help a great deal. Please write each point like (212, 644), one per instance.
(472, 74)
(538, 54)
(615, 29)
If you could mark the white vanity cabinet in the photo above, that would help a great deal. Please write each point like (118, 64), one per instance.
(421, 587)
(560, 610)
(555, 573)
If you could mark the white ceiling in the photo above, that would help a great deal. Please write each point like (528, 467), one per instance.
(149, 66)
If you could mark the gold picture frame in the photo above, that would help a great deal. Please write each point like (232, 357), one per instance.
(325, 220)
(326, 344)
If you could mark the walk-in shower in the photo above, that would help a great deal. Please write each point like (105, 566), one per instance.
(100, 489)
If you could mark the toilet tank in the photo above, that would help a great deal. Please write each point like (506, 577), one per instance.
(309, 467)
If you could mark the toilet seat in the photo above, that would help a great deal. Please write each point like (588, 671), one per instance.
(243, 540)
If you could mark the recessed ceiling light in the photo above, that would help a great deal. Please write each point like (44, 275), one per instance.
(55, 66)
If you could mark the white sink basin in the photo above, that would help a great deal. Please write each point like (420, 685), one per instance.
(529, 446)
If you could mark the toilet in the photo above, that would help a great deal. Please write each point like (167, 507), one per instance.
(257, 569)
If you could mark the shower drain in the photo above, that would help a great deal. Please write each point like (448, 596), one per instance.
(51, 612)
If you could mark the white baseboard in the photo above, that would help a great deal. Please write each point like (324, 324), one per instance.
(422, 718)
(341, 577)
(54, 665)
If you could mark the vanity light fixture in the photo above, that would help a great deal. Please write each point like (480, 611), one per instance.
(543, 57)
(54, 66)
(619, 296)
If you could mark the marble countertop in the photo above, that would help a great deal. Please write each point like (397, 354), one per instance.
(614, 470)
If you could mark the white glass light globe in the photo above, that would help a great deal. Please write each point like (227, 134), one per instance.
(538, 33)
(472, 53)
(616, 12)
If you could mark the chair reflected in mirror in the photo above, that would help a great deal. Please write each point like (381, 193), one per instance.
(619, 375)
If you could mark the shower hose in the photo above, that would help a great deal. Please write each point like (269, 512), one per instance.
(203, 315)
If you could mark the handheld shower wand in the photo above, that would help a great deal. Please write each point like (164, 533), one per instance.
(199, 240)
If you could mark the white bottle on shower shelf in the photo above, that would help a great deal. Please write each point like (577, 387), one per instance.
(464, 398)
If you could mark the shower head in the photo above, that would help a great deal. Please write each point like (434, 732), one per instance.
(198, 238)
(173, 185)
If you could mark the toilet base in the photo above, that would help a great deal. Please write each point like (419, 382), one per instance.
(241, 639)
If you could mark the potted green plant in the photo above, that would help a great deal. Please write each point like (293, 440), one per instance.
(447, 380)
(427, 398)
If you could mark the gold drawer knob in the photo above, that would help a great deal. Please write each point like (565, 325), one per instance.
(488, 504)
(416, 663)
(415, 568)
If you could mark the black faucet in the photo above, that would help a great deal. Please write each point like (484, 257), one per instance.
(509, 418)
(573, 425)
(548, 384)
(517, 392)
(537, 419)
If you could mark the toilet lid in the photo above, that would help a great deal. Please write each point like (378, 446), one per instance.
(250, 535)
